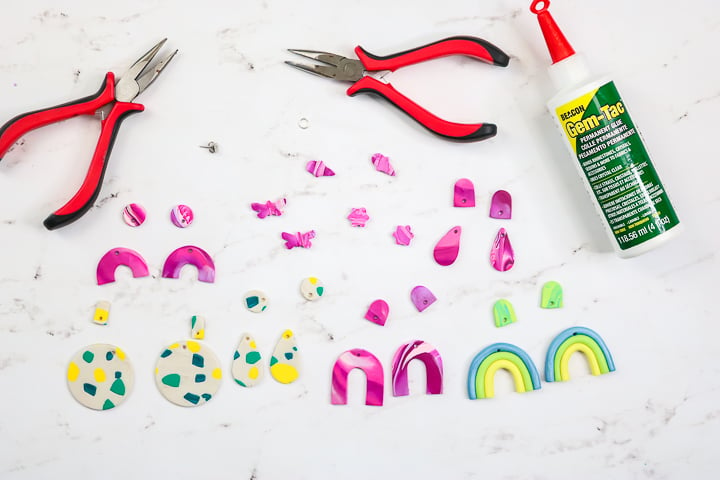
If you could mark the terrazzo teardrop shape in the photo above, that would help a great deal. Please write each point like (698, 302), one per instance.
(285, 360)
(247, 365)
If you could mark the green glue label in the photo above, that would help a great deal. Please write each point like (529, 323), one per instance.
(614, 159)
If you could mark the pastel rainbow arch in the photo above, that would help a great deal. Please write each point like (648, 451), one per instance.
(481, 377)
(577, 339)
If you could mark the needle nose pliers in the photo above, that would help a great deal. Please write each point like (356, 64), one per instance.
(112, 103)
(345, 69)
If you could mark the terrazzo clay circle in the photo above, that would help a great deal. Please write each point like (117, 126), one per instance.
(187, 373)
(182, 216)
(134, 214)
(312, 288)
(100, 376)
(256, 301)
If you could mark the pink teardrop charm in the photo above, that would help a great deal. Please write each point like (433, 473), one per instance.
(464, 195)
(378, 312)
(501, 205)
(447, 249)
(502, 256)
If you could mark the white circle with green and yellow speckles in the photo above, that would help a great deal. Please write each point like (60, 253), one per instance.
(188, 373)
(256, 301)
(100, 376)
(311, 288)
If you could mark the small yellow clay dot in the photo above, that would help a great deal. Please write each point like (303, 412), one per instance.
(284, 373)
(313, 280)
(253, 345)
(73, 372)
(99, 375)
(193, 346)
(174, 345)
(253, 373)
(287, 334)
(217, 373)
(120, 354)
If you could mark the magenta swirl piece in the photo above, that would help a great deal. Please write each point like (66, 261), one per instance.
(427, 354)
(422, 297)
(382, 164)
(447, 249)
(464, 193)
(319, 169)
(182, 216)
(501, 205)
(298, 239)
(190, 255)
(269, 208)
(120, 256)
(502, 256)
(358, 217)
(378, 312)
(403, 235)
(368, 363)
(134, 214)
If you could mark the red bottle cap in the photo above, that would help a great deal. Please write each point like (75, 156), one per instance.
(556, 42)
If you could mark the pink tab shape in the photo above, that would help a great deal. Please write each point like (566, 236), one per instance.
(378, 312)
(501, 205)
(502, 256)
(382, 164)
(447, 249)
(319, 169)
(464, 194)
(422, 297)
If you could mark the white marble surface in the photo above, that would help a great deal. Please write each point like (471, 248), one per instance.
(658, 416)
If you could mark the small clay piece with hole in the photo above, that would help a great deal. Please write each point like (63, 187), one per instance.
(422, 297)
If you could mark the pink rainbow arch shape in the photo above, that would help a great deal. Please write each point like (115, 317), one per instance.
(190, 255)
(368, 363)
(427, 354)
(120, 256)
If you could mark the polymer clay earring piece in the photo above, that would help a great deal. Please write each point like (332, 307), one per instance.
(422, 297)
(247, 362)
(427, 354)
(188, 373)
(285, 360)
(502, 255)
(504, 313)
(190, 255)
(464, 193)
(256, 301)
(120, 256)
(551, 295)
(369, 364)
(577, 339)
(447, 249)
(100, 376)
(501, 205)
(481, 376)
(378, 312)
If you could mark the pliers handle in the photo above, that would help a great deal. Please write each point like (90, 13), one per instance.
(469, 46)
(85, 197)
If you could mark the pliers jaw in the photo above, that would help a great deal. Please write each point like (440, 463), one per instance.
(336, 66)
(135, 80)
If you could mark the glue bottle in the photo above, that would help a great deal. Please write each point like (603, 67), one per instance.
(610, 153)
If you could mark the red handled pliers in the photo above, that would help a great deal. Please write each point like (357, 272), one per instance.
(112, 104)
(349, 70)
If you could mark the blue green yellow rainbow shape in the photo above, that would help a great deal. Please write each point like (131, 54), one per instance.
(577, 339)
(501, 355)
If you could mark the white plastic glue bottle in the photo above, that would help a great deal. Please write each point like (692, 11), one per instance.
(609, 151)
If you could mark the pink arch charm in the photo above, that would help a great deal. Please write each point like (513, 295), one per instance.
(120, 256)
(190, 255)
(368, 363)
(427, 354)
